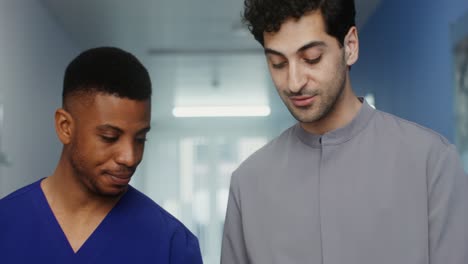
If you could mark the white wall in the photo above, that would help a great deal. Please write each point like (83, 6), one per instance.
(34, 52)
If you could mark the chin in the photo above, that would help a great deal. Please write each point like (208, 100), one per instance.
(305, 116)
(111, 191)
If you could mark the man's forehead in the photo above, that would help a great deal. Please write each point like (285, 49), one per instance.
(296, 33)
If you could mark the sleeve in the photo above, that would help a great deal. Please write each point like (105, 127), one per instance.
(185, 248)
(448, 210)
(233, 249)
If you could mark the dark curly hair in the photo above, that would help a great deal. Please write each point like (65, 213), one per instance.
(267, 15)
(107, 70)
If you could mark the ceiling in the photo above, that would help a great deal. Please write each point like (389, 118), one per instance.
(197, 52)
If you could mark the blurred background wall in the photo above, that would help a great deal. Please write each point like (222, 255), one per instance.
(34, 51)
(199, 55)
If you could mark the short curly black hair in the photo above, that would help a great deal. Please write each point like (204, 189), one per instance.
(267, 15)
(107, 70)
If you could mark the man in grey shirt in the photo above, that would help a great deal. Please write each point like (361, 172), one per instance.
(348, 184)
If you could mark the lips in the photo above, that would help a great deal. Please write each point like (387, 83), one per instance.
(120, 178)
(302, 101)
(120, 181)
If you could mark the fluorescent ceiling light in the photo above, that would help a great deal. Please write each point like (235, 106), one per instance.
(221, 111)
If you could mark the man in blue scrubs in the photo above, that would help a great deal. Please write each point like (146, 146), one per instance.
(86, 211)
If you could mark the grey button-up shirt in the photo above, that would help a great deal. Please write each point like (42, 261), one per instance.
(380, 190)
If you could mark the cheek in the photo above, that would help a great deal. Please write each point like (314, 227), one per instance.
(138, 151)
(95, 152)
(103, 154)
(329, 73)
(279, 79)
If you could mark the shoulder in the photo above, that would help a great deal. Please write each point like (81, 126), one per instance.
(148, 212)
(19, 197)
(152, 222)
(264, 155)
(268, 156)
(408, 132)
(410, 140)
(19, 210)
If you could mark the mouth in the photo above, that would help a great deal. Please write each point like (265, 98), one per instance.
(302, 100)
(120, 178)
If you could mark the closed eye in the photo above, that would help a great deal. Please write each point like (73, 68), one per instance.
(313, 61)
(278, 65)
(107, 139)
(141, 140)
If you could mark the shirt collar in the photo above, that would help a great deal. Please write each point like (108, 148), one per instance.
(339, 135)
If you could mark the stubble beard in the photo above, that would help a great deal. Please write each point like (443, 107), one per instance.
(83, 177)
(327, 103)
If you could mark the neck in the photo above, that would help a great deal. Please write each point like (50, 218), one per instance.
(66, 193)
(342, 113)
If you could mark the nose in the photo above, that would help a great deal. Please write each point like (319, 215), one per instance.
(129, 155)
(296, 78)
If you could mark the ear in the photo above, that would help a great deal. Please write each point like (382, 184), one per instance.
(351, 45)
(63, 125)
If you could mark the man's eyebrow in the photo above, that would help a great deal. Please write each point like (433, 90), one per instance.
(274, 52)
(109, 127)
(309, 45)
(144, 130)
(106, 127)
(312, 44)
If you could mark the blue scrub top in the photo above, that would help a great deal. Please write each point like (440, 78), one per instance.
(136, 230)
